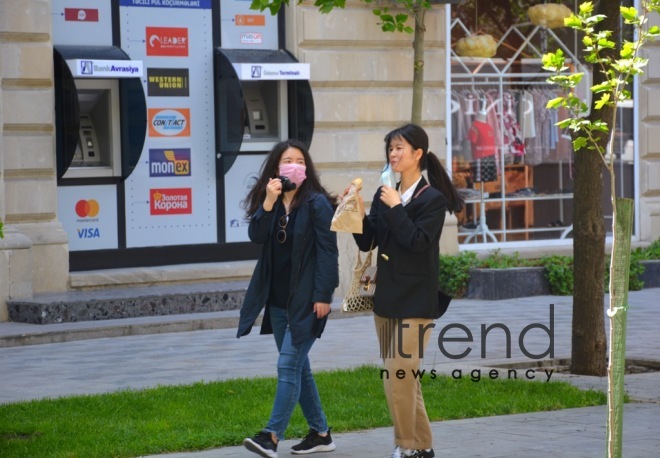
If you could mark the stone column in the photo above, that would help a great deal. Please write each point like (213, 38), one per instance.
(361, 78)
(34, 252)
(648, 99)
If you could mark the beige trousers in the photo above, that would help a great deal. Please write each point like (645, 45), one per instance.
(400, 348)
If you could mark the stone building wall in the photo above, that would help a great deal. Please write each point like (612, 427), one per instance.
(361, 78)
(649, 142)
(33, 254)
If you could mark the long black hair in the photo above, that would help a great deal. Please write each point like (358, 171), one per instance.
(269, 169)
(438, 177)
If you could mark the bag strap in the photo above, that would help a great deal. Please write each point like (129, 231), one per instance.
(421, 190)
(367, 257)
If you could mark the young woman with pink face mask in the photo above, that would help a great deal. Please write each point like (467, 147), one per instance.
(295, 277)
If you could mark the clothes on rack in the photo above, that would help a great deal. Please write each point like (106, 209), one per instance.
(512, 141)
(521, 124)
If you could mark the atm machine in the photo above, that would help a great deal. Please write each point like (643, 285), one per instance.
(262, 98)
(101, 124)
(100, 112)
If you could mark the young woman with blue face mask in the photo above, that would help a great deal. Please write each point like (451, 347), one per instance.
(405, 222)
(294, 279)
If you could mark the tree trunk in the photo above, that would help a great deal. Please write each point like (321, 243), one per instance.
(418, 67)
(589, 344)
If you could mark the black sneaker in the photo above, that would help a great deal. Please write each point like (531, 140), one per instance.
(262, 444)
(313, 443)
(408, 453)
(428, 453)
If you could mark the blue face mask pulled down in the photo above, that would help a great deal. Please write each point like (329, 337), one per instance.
(387, 176)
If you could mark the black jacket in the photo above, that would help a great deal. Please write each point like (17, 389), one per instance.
(314, 273)
(408, 254)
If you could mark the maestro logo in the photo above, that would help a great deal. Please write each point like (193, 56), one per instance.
(167, 41)
(169, 122)
(87, 208)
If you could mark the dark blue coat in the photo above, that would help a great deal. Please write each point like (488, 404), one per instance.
(408, 254)
(314, 268)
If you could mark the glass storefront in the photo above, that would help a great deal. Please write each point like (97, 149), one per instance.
(512, 164)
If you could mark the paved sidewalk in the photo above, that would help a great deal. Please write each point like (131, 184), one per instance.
(571, 433)
(139, 361)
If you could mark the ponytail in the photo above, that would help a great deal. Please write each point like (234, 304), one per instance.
(439, 179)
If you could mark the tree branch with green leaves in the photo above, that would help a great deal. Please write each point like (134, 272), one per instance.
(619, 73)
(394, 17)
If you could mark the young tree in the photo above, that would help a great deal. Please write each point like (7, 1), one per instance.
(390, 22)
(616, 66)
(589, 344)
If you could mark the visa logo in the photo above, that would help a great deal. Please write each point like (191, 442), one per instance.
(89, 233)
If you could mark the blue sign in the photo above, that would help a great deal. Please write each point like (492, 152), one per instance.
(200, 4)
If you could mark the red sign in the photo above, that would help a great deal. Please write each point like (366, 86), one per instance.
(81, 14)
(167, 41)
(171, 201)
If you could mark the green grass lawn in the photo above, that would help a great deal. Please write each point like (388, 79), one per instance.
(209, 415)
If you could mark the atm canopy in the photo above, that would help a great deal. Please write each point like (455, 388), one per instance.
(234, 67)
(132, 101)
(69, 52)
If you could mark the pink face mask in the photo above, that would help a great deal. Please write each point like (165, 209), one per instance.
(294, 172)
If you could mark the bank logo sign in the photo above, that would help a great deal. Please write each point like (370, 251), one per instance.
(171, 201)
(252, 38)
(96, 68)
(167, 41)
(168, 82)
(169, 162)
(250, 20)
(169, 122)
(81, 14)
(274, 71)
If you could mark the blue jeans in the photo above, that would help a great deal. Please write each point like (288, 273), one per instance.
(295, 382)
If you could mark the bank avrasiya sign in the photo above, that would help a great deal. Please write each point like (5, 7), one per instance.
(95, 68)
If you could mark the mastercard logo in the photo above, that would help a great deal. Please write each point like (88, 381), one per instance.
(87, 208)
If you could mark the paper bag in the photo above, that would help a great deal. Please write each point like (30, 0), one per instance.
(347, 217)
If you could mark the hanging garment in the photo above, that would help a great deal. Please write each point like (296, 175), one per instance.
(526, 115)
(513, 143)
(482, 139)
